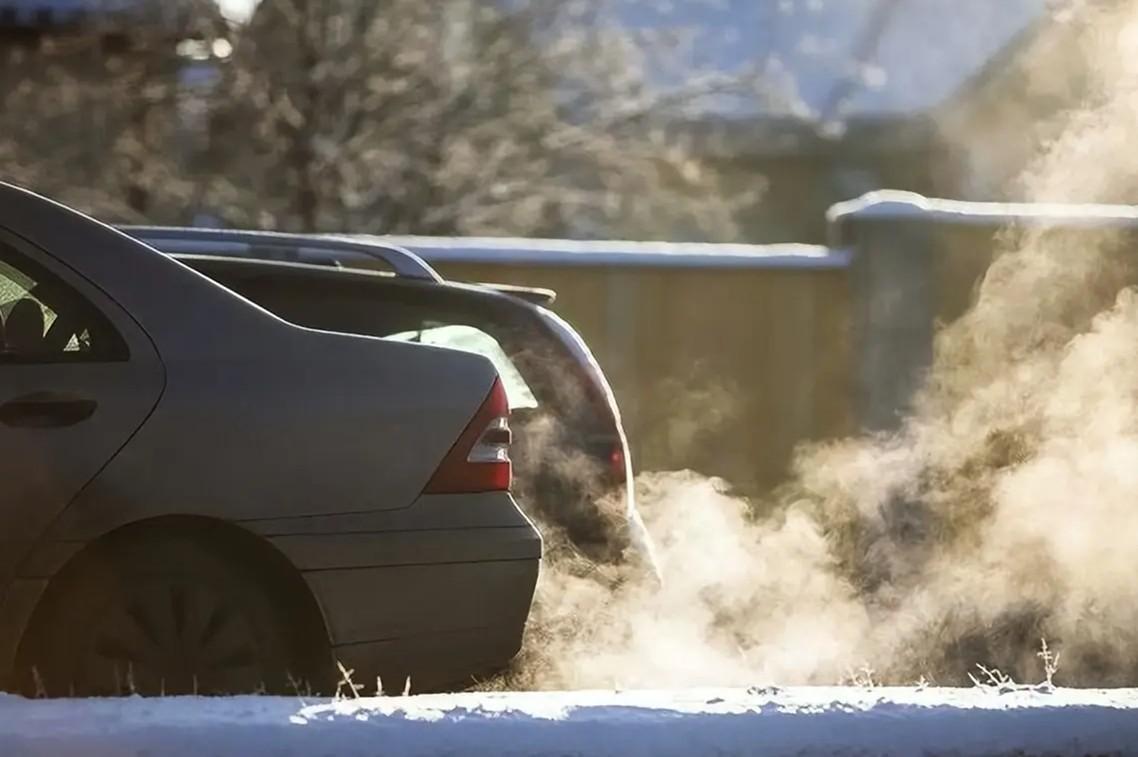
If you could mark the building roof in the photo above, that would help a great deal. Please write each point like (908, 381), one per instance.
(843, 58)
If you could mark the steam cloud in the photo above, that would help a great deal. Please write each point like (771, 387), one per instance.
(1002, 511)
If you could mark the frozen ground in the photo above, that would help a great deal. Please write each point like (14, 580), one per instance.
(801, 721)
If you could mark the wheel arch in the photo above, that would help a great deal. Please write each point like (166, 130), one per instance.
(234, 543)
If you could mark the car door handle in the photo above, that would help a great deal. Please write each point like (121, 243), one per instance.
(46, 410)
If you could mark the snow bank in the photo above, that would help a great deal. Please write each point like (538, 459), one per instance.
(803, 721)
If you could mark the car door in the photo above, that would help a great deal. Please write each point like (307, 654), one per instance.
(77, 377)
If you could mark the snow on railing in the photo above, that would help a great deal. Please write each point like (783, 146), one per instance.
(897, 205)
(619, 254)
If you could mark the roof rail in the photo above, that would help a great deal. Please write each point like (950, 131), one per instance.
(260, 244)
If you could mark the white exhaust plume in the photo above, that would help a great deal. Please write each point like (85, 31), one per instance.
(1003, 511)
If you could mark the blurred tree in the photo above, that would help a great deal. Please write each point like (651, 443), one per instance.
(527, 117)
(520, 117)
(92, 107)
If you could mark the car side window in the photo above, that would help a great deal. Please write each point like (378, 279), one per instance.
(470, 339)
(43, 320)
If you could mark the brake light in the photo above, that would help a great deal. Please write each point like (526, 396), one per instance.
(480, 459)
(616, 462)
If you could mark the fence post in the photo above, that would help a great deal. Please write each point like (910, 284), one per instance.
(893, 301)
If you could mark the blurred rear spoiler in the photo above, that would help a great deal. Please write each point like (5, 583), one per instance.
(535, 295)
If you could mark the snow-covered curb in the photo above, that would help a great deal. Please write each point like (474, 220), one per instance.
(801, 721)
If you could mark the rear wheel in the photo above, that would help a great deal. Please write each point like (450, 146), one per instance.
(164, 615)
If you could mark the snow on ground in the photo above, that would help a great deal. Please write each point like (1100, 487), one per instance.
(801, 721)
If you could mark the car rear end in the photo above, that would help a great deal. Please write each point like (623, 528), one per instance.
(387, 469)
(572, 463)
(571, 456)
(437, 592)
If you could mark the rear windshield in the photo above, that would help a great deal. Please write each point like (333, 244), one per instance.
(468, 338)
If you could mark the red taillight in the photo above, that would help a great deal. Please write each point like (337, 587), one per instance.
(480, 459)
(617, 467)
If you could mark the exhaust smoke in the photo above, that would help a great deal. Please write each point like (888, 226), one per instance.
(1003, 511)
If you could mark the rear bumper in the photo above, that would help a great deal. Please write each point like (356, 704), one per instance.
(437, 623)
(438, 603)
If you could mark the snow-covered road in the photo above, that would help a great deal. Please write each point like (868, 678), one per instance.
(801, 721)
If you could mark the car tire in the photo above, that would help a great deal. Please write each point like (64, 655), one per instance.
(164, 615)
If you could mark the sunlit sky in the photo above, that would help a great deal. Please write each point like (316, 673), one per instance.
(927, 49)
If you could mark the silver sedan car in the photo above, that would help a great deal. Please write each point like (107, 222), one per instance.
(201, 497)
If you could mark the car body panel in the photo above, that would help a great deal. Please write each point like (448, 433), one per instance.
(482, 601)
(17, 603)
(431, 512)
(284, 454)
(423, 579)
(383, 549)
(45, 467)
